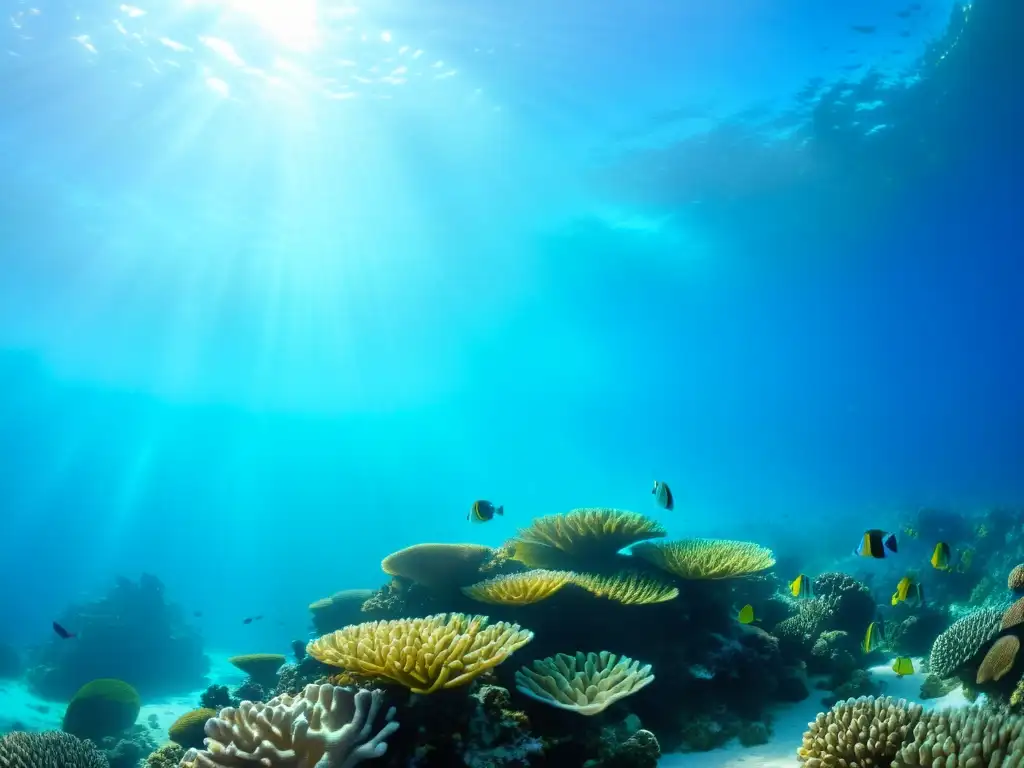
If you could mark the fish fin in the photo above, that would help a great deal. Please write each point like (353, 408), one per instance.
(500, 510)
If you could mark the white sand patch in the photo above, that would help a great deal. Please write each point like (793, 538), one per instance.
(21, 710)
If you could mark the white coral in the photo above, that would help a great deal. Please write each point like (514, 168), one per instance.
(326, 726)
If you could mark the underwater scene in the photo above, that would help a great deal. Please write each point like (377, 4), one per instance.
(511, 385)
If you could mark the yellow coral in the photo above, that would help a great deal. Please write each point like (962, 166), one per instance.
(534, 555)
(627, 587)
(519, 588)
(706, 558)
(999, 659)
(439, 566)
(583, 683)
(425, 655)
(589, 533)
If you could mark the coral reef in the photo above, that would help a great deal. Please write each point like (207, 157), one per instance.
(969, 736)
(859, 732)
(132, 634)
(963, 641)
(521, 588)
(261, 667)
(706, 558)
(189, 729)
(425, 655)
(339, 610)
(999, 659)
(102, 708)
(590, 535)
(627, 587)
(327, 726)
(1015, 581)
(167, 756)
(216, 697)
(626, 746)
(127, 750)
(583, 683)
(52, 749)
(438, 566)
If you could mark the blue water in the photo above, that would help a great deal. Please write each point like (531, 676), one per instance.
(283, 294)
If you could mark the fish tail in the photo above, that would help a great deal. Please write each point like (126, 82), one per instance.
(500, 510)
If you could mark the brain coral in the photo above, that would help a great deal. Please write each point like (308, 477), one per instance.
(966, 736)
(102, 708)
(52, 749)
(955, 647)
(999, 659)
(858, 732)
(187, 730)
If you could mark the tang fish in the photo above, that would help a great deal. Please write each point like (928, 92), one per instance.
(903, 666)
(62, 633)
(746, 614)
(663, 495)
(874, 638)
(940, 557)
(801, 588)
(876, 543)
(483, 511)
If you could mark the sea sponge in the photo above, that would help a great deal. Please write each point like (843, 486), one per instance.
(102, 708)
(425, 655)
(965, 736)
(261, 667)
(1015, 581)
(438, 566)
(519, 588)
(591, 534)
(627, 587)
(963, 641)
(858, 732)
(324, 726)
(188, 730)
(52, 749)
(706, 558)
(999, 659)
(584, 683)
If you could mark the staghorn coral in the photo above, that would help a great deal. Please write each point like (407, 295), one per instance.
(519, 588)
(627, 587)
(52, 749)
(706, 558)
(438, 566)
(858, 732)
(189, 729)
(584, 683)
(261, 667)
(591, 534)
(326, 726)
(102, 708)
(955, 647)
(1015, 581)
(966, 736)
(425, 655)
(999, 659)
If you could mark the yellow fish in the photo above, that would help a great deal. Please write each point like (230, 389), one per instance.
(940, 557)
(874, 638)
(910, 533)
(902, 590)
(801, 588)
(746, 615)
(903, 666)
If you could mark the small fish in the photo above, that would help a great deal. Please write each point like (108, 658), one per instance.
(801, 588)
(251, 619)
(864, 29)
(874, 638)
(903, 588)
(746, 614)
(903, 666)
(62, 633)
(940, 556)
(663, 495)
(197, 614)
(482, 511)
(966, 558)
(876, 543)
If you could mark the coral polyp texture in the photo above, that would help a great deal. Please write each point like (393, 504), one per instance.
(706, 558)
(590, 533)
(425, 655)
(627, 587)
(964, 640)
(189, 730)
(519, 588)
(323, 727)
(858, 732)
(1015, 581)
(438, 566)
(53, 749)
(585, 683)
(102, 708)
(966, 737)
(1013, 615)
(999, 659)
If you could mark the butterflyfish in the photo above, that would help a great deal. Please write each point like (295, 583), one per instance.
(746, 614)
(940, 557)
(874, 638)
(801, 588)
(903, 666)
(663, 495)
(902, 590)
(482, 511)
(876, 543)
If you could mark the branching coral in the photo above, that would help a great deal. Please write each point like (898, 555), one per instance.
(584, 683)
(425, 655)
(53, 749)
(519, 588)
(326, 727)
(706, 558)
(963, 641)
(967, 736)
(858, 732)
(627, 587)
(438, 566)
(591, 533)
